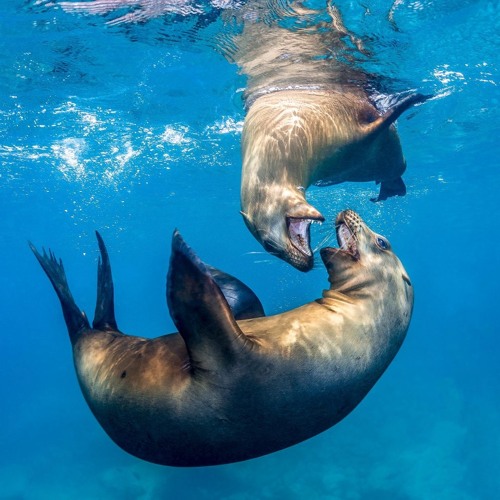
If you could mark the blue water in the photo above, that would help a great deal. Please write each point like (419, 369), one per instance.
(134, 130)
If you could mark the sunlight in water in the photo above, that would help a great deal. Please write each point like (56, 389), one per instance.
(226, 126)
(87, 157)
(176, 136)
(445, 75)
(70, 151)
(126, 116)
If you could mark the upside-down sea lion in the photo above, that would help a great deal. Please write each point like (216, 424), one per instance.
(314, 116)
(222, 390)
(311, 119)
(292, 139)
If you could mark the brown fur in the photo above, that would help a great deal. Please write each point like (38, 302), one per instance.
(222, 390)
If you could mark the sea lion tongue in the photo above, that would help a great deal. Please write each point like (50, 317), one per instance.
(299, 232)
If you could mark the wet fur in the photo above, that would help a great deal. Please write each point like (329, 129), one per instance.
(310, 120)
(224, 390)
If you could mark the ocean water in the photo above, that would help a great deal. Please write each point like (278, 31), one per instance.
(133, 128)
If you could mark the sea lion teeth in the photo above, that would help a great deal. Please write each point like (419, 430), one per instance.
(299, 231)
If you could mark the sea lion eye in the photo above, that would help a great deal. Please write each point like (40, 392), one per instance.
(382, 243)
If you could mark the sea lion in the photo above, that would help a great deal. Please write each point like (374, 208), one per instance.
(292, 139)
(313, 115)
(222, 390)
(311, 119)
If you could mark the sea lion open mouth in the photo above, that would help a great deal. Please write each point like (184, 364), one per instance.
(299, 231)
(346, 239)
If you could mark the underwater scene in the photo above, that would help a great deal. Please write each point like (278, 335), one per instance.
(248, 127)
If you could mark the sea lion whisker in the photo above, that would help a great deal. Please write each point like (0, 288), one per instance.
(347, 242)
(324, 228)
(330, 234)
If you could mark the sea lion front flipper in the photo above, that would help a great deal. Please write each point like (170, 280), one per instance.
(392, 187)
(242, 300)
(75, 318)
(200, 311)
(396, 109)
(104, 317)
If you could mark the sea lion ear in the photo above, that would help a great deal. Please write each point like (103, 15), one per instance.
(395, 110)
(247, 220)
(200, 311)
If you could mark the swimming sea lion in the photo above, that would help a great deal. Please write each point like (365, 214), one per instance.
(314, 117)
(292, 139)
(311, 119)
(222, 390)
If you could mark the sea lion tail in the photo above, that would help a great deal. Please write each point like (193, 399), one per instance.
(104, 317)
(76, 320)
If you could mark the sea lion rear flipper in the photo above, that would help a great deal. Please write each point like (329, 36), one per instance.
(104, 317)
(241, 299)
(392, 187)
(75, 318)
(200, 311)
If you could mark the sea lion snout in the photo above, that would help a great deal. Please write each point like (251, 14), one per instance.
(356, 242)
(283, 226)
(347, 225)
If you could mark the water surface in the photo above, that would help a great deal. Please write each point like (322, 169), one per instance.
(134, 129)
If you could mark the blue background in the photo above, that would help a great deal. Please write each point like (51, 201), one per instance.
(135, 131)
